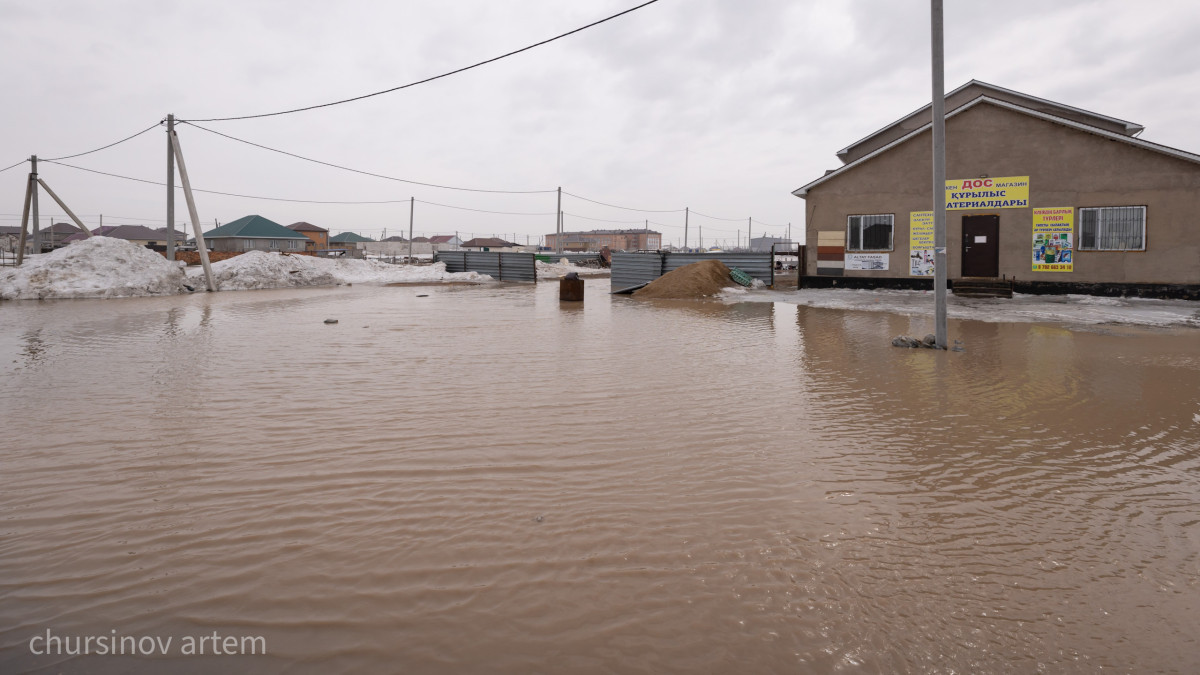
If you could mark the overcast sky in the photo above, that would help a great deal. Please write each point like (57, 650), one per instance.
(722, 106)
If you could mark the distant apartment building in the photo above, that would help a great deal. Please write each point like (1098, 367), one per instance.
(615, 240)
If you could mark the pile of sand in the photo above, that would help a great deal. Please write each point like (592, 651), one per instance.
(697, 280)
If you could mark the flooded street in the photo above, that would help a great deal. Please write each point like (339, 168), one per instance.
(482, 480)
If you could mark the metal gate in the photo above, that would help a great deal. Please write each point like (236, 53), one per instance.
(632, 269)
(499, 265)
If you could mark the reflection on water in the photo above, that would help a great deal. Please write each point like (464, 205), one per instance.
(487, 479)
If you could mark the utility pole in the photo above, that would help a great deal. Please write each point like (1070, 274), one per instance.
(686, 212)
(749, 227)
(201, 247)
(170, 190)
(33, 178)
(558, 224)
(412, 206)
(24, 219)
(939, 174)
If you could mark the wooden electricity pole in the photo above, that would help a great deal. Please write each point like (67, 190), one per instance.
(37, 232)
(686, 212)
(170, 190)
(201, 247)
(24, 220)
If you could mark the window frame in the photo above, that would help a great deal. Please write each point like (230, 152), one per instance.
(1079, 228)
(891, 245)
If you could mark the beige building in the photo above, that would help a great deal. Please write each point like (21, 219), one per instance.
(1056, 198)
(615, 240)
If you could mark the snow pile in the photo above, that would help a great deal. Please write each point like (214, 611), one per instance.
(1073, 309)
(98, 267)
(560, 269)
(352, 271)
(261, 269)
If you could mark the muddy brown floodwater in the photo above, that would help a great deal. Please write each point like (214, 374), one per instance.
(484, 480)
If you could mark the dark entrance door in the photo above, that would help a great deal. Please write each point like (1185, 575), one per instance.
(981, 246)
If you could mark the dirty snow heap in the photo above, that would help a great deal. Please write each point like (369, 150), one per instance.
(261, 269)
(98, 267)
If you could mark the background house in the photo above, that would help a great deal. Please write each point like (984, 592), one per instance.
(318, 236)
(250, 233)
(445, 242)
(54, 236)
(489, 244)
(136, 234)
(348, 240)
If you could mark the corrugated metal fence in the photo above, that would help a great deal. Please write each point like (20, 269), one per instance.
(496, 264)
(573, 258)
(631, 269)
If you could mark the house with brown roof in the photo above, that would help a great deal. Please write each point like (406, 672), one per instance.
(136, 234)
(1047, 196)
(489, 244)
(445, 242)
(318, 236)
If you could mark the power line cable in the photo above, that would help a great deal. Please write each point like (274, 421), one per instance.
(127, 138)
(359, 171)
(429, 79)
(13, 166)
(229, 194)
(502, 213)
(602, 220)
(732, 220)
(627, 208)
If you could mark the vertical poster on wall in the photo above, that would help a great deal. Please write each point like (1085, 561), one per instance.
(1053, 232)
(920, 243)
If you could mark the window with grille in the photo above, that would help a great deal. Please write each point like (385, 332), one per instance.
(869, 233)
(1112, 228)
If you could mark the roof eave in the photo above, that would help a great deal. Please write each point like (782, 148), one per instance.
(802, 191)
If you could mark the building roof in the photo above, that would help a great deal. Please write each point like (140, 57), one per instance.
(306, 227)
(10, 229)
(127, 232)
(442, 239)
(162, 231)
(395, 238)
(594, 232)
(479, 242)
(968, 93)
(253, 227)
(61, 228)
(987, 100)
(419, 240)
(348, 238)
